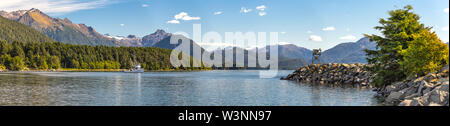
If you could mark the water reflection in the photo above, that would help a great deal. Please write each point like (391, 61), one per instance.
(139, 89)
(216, 88)
(315, 97)
(118, 90)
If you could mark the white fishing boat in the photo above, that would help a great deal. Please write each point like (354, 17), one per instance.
(136, 69)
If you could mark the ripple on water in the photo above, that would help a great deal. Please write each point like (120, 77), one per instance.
(210, 88)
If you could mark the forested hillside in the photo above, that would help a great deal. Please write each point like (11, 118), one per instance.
(62, 30)
(54, 55)
(14, 31)
(22, 47)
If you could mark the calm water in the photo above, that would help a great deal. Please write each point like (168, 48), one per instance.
(211, 88)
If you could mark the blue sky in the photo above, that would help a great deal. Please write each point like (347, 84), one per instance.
(303, 22)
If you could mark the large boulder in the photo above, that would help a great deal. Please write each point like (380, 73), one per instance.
(429, 90)
(395, 97)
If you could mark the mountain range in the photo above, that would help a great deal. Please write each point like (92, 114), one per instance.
(290, 56)
(13, 31)
(146, 41)
(350, 52)
(62, 30)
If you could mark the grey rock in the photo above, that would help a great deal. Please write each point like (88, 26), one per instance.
(439, 97)
(409, 91)
(395, 96)
(352, 74)
(412, 96)
(414, 103)
(405, 103)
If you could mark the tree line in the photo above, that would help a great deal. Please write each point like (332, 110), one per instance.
(54, 55)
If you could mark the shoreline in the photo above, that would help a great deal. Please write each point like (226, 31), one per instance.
(333, 74)
(92, 70)
(121, 70)
(428, 90)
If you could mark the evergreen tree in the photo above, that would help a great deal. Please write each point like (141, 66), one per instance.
(54, 62)
(4, 47)
(427, 53)
(17, 49)
(42, 63)
(17, 63)
(398, 32)
(55, 55)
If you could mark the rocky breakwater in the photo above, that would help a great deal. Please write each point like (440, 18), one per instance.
(429, 90)
(333, 73)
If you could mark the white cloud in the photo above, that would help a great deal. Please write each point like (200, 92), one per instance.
(446, 10)
(144, 5)
(331, 28)
(122, 25)
(218, 13)
(173, 22)
(348, 37)
(245, 10)
(445, 28)
(262, 13)
(284, 43)
(315, 38)
(309, 32)
(53, 6)
(182, 16)
(185, 16)
(261, 8)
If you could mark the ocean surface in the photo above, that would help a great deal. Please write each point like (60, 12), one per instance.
(207, 88)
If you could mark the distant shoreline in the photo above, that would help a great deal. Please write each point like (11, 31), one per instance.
(92, 70)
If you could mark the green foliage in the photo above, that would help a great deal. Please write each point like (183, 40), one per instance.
(75, 64)
(427, 53)
(400, 32)
(4, 47)
(55, 55)
(2, 67)
(24, 47)
(14, 31)
(84, 65)
(54, 62)
(17, 49)
(42, 64)
(73, 36)
(16, 63)
(5, 60)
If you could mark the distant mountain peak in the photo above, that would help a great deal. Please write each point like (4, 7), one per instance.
(351, 52)
(152, 39)
(67, 21)
(36, 19)
(13, 15)
(365, 43)
(61, 30)
(363, 40)
(131, 36)
(160, 32)
(34, 10)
